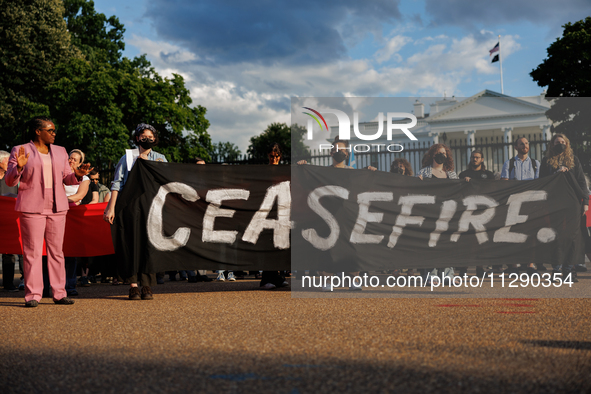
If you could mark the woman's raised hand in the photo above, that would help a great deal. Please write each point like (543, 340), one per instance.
(21, 159)
(84, 169)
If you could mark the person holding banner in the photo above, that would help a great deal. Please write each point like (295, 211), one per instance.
(145, 137)
(560, 158)
(272, 279)
(401, 166)
(42, 169)
(437, 163)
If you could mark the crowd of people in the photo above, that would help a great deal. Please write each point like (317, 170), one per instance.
(46, 181)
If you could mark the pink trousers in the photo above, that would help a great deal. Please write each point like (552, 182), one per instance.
(35, 227)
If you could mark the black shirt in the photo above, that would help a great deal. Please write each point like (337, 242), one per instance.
(473, 174)
(91, 188)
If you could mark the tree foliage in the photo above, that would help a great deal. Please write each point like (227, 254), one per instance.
(290, 139)
(567, 70)
(96, 97)
(33, 41)
(98, 37)
(567, 73)
(224, 152)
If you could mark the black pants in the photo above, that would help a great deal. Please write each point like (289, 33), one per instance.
(144, 279)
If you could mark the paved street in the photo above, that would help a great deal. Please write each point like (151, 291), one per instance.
(232, 337)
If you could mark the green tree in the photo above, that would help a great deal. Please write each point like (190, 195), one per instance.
(97, 102)
(567, 74)
(33, 41)
(567, 70)
(290, 139)
(98, 37)
(224, 152)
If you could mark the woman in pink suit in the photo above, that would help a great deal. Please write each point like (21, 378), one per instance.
(42, 169)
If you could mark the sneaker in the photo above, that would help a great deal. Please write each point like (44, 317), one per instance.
(21, 286)
(64, 301)
(580, 268)
(31, 304)
(134, 293)
(285, 284)
(221, 277)
(231, 276)
(84, 282)
(147, 293)
(268, 286)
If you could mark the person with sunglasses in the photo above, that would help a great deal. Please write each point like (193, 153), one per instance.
(145, 137)
(42, 169)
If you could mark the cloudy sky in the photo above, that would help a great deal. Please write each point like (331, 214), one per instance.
(244, 60)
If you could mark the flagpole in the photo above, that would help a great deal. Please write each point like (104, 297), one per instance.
(501, 64)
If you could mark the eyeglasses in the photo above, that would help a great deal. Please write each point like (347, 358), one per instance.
(49, 131)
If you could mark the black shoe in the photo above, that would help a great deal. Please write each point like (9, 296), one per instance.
(72, 293)
(479, 271)
(541, 267)
(84, 282)
(511, 270)
(64, 301)
(532, 271)
(580, 268)
(203, 278)
(147, 293)
(31, 304)
(192, 279)
(160, 281)
(11, 288)
(134, 293)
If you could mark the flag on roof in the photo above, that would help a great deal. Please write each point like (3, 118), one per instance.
(495, 49)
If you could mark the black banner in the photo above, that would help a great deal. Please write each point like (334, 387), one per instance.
(181, 216)
(351, 220)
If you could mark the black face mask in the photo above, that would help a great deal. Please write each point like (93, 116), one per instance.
(439, 158)
(339, 156)
(397, 170)
(147, 144)
(559, 148)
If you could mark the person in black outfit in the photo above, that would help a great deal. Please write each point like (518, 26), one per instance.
(477, 168)
(560, 158)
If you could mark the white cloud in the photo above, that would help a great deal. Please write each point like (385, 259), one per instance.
(391, 48)
(243, 99)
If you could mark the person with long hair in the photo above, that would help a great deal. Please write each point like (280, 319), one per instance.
(42, 169)
(438, 162)
(561, 158)
(145, 137)
(401, 166)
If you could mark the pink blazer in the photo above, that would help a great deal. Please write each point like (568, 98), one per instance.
(31, 191)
